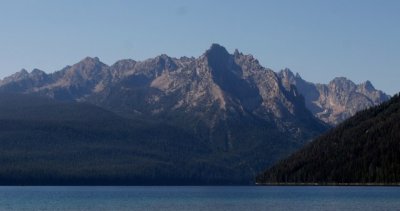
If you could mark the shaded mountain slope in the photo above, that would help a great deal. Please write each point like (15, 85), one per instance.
(44, 142)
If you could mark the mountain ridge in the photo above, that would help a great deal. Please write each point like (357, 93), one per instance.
(336, 101)
(331, 103)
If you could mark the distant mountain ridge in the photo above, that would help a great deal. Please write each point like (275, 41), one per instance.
(336, 101)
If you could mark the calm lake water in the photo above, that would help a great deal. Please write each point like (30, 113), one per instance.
(200, 198)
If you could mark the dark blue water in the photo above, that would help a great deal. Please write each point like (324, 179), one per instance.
(200, 198)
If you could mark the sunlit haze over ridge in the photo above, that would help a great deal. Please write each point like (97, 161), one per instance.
(357, 39)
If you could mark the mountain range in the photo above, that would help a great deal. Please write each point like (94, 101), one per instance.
(217, 119)
(197, 82)
(336, 101)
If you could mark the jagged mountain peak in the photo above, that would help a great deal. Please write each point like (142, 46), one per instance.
(123, 65)
(164, 57)
(367, 85)
(217, 47)
(336, 101)
(341, 80)
(237, 53)
(222, 63)
(217, 52)
(187, 59)
(87, 64)
(20, 75)
(286, 72)
(85, 69)
(37, 73)
(289, 79)
(89, 59)
(23, 71)
(342, 84)
(166, 62)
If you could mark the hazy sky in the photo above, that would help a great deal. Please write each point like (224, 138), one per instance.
(319, 39)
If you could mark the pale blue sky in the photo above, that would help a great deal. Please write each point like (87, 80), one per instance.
(320, 39)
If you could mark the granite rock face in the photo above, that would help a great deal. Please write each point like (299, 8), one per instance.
(336, 101)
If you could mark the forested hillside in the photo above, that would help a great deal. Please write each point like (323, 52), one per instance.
(45, 142)
(365, 149)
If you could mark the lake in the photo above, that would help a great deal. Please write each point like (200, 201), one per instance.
(200, 198)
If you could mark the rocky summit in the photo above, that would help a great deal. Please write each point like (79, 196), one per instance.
(336, 101)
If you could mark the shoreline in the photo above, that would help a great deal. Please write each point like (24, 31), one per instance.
(325, 184)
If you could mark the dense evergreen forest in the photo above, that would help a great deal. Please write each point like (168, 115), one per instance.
(365, 149)
(47, 142)
(43, 142)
